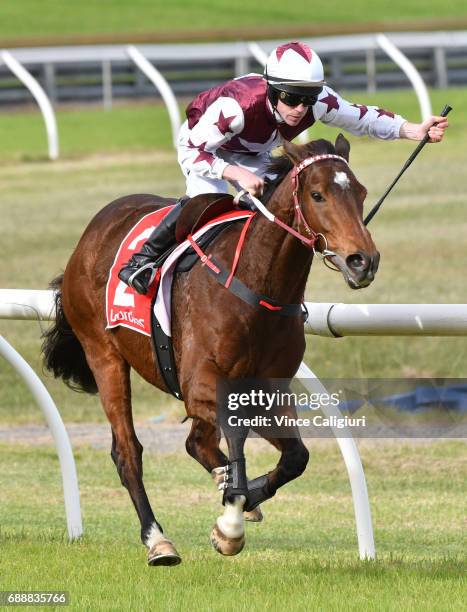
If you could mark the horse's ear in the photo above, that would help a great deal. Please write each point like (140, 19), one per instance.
(342, 146)
(293, 152)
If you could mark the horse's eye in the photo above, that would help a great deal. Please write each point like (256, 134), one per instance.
(317, 197)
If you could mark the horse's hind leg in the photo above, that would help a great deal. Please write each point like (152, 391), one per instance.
(112, 375)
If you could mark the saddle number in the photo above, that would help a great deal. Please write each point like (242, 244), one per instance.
(124, 297)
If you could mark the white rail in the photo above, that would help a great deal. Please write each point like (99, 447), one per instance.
(39, 94)
(353, 464)
(330, 319)
(32, 304)
(337, 320)
(59, 433)
(410, 71)
(161, 84)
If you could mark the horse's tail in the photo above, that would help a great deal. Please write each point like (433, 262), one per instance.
(62, 351)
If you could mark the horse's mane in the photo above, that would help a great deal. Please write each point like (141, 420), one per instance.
(282, 164)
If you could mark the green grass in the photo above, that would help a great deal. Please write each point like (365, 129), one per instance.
(49, 17)
(303, 556)
(420, 232)
(84, 131)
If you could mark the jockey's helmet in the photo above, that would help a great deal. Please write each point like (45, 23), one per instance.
(294, 68)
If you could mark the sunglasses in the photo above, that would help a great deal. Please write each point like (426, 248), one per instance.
(295, 99)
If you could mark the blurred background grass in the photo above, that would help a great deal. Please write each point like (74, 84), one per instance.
(55, 17)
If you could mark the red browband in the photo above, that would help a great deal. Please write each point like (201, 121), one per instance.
(298, 211)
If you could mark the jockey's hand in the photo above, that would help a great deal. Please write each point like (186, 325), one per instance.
(417, 131)
(247, 180)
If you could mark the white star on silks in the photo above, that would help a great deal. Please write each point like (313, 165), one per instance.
(259, 147)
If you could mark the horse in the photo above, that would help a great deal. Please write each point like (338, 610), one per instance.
(318, 204)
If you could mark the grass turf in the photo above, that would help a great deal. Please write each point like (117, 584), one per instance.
(303, 556)
(52, 17)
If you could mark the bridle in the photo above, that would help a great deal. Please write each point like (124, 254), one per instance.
(325, 253)
(299, 217)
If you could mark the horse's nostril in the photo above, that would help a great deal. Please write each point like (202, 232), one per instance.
(357, 262)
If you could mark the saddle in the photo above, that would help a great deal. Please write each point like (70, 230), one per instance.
(200, 210)
(196, 212)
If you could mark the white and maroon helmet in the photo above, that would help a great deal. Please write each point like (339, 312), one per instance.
(294, 68)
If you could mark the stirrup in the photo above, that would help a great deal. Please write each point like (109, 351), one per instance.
(149, 266)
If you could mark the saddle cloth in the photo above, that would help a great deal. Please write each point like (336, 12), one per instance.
(126, 307)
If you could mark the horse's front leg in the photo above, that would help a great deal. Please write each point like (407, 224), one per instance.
(292, 463)
(228, 534)
(203, 445)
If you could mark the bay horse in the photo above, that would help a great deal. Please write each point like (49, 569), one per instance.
(215, 335)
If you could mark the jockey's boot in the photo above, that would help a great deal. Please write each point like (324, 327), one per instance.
(140, 270)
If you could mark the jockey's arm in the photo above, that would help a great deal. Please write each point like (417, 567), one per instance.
(221, 121)
(417, 131)
(246, 179)
(362, 120)
(358, 119)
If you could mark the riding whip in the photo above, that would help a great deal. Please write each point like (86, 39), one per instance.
(420, 146)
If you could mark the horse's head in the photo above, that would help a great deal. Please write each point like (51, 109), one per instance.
(330, 198)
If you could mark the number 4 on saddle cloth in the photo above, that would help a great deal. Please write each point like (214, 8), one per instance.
(201, 221)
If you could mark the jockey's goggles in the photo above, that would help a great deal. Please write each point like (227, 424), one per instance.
(293, 99)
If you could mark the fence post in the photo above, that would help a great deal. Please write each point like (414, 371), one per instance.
(59, 433)
(39, 94)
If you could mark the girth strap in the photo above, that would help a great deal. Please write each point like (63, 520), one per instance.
(163, 347)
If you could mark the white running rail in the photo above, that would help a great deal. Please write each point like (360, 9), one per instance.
(337, 320)
(353, 463)
(59, 433)
(331, 319)
(161, 84)
(39, 94)
(411, 72)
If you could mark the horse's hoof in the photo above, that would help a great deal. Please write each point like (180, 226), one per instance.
(163, 553)
(225, 545)
(254, 516)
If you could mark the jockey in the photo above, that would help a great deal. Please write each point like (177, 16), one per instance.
(232, 129)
